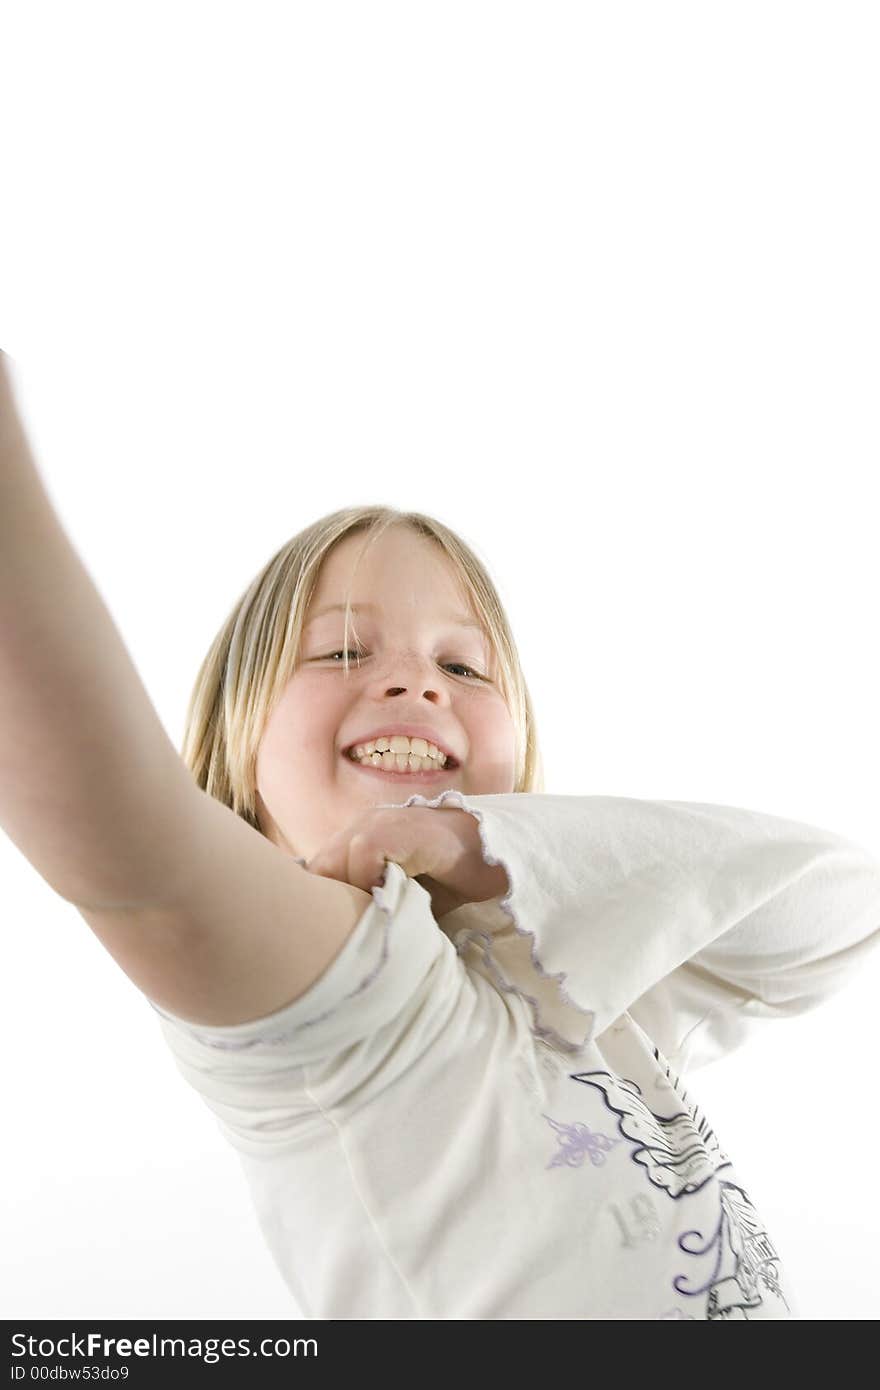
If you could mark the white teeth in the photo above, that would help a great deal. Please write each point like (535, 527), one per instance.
(398, 753)
(397, 762)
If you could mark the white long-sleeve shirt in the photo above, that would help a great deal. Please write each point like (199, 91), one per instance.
(491, 1117)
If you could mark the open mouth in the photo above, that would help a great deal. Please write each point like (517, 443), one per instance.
(449, 766)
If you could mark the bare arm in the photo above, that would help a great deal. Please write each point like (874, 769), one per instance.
(81, 746)
(203, 913)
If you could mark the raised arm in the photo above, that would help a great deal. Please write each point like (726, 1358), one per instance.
(96, 797)
(81, 746)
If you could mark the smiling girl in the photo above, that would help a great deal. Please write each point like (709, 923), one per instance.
(444, 1018)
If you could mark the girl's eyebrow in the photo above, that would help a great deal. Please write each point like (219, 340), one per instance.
(458, 618)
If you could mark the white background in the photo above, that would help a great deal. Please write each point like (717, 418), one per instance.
(595, 285)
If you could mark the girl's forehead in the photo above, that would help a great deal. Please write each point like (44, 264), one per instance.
(416, 593)
(399, 549)
(365, 612)
(401, 574)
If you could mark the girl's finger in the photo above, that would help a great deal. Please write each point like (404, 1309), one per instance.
(366, 863)
(327, 865)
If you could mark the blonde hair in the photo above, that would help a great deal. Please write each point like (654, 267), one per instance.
(253, 656)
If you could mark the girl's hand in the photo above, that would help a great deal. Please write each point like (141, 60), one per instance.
(439, 846)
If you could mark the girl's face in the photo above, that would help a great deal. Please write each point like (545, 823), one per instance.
(418, 665)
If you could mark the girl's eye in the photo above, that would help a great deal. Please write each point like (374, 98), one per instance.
(469, 669)
(472, 674)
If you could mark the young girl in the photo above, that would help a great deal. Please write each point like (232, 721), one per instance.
(446, 1019)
